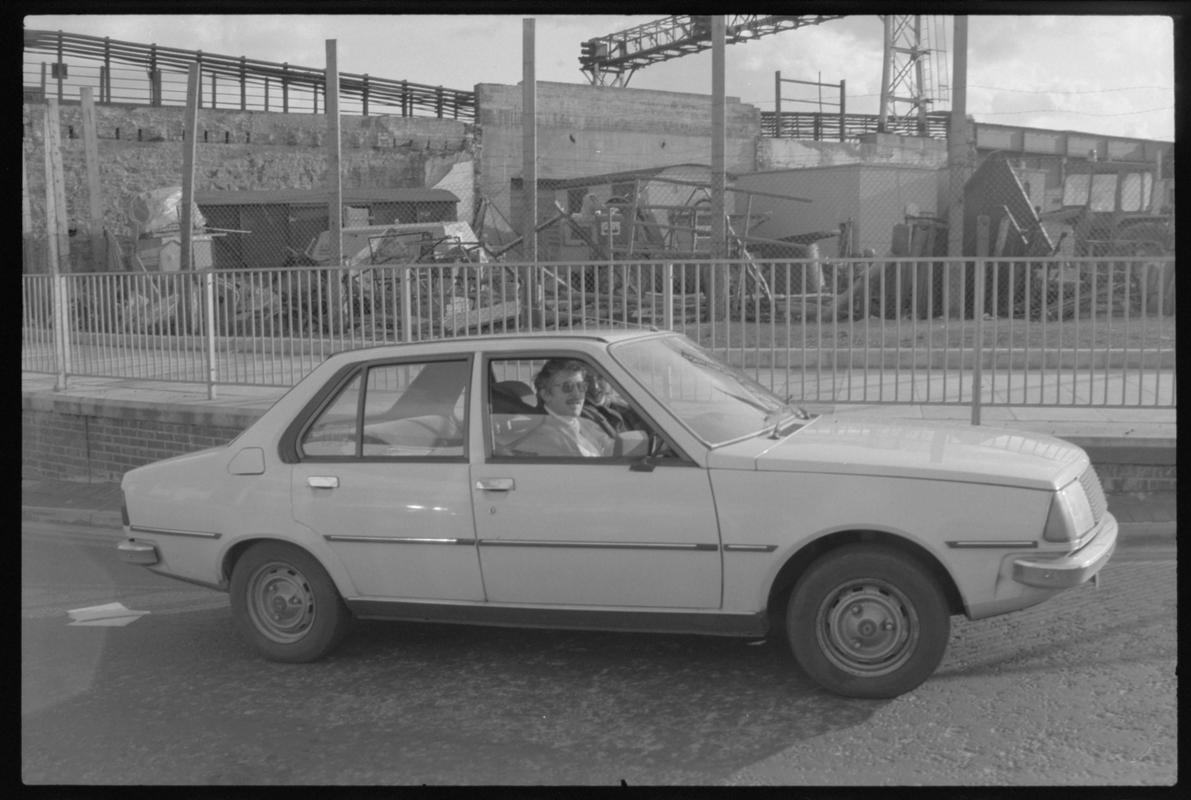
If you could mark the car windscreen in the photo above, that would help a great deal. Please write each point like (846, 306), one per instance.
(717, 402)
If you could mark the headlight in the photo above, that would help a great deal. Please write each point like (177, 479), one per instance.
(1070, 514)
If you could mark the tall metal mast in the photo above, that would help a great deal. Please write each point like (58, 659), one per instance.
(905, 76)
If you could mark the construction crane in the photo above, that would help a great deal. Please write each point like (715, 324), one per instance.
(611, 60)
(906, 80)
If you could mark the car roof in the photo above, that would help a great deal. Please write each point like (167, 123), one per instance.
(503, 341)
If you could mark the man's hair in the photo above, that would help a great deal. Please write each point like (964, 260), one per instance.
(554, 366)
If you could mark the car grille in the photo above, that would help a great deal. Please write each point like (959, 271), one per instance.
(1095, 492)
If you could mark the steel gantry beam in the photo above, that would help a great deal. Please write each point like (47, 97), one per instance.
(611, 60)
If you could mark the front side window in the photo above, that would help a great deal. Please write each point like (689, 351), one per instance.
(408, 410)
(560, 407)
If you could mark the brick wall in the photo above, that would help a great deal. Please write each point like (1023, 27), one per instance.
(1138, 478)
(1127, 467)
(81, 439)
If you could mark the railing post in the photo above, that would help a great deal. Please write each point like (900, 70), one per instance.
(668, 295)
(407, 322)
(209, 302)
(979, 345)
(60, 294)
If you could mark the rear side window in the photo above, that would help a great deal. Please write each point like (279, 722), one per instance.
(408, 410)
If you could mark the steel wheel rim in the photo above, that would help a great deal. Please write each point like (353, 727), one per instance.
(867, 628)
(281, 602)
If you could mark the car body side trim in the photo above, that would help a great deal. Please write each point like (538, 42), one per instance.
(170, 532)
(981, 544)
(693, 546)
(749, 548)
(397, 539)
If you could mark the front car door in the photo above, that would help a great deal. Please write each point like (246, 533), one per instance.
(383, 476)
(587, 532)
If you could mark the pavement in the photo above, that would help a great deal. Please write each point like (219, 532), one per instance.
(1142, 516)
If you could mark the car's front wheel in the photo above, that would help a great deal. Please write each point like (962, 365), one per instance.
(867, 621)
(285, 604)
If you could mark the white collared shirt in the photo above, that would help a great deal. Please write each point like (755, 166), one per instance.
(586, 447)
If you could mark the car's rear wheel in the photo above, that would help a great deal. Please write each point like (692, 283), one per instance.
(866, 621)
(285, 604)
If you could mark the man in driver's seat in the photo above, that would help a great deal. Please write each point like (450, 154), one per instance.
(562, 386)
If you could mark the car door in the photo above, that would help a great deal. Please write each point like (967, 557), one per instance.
(383, 477)
(590, 532)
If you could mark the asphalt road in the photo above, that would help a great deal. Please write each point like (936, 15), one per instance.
(1081, 690)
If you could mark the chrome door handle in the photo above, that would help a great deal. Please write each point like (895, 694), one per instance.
(322, 482)
(496, 485)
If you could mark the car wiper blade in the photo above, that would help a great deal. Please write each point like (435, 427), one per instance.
(746, 400)
(799, 414)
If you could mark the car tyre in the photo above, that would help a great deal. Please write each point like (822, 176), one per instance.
(285, 604)
(867, 621)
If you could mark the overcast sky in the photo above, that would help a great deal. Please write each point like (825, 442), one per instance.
(1099, 74)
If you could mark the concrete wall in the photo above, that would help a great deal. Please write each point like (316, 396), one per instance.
(141, 148)
(593, 130)
(888, 149)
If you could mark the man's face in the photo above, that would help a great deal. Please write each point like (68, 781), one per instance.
(565, 393)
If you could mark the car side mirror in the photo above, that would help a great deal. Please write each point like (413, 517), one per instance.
(631, 444)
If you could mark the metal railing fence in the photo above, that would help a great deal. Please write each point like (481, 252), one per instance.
(1091, 332)
(825, 126)
(57, 63)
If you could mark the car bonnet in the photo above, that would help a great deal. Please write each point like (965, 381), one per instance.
(936, 451)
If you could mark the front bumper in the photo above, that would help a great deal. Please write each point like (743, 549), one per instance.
(1074, 569)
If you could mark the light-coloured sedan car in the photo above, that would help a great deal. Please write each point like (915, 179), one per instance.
(411, 482)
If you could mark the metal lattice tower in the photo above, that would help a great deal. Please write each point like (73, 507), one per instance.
(906, 75)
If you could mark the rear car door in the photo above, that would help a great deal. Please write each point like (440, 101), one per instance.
(382, 476)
